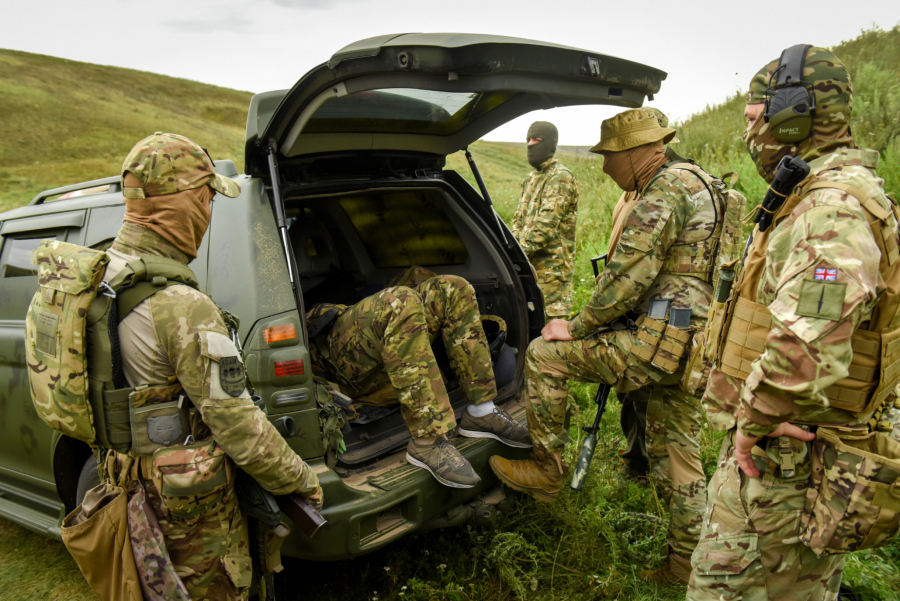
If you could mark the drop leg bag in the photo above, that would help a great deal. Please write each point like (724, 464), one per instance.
(853, 501)
(97, 536)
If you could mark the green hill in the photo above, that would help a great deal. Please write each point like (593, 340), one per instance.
(65, 122)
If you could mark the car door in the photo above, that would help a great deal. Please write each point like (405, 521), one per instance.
(26, 443)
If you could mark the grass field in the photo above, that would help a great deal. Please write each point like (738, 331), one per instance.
(67, 122)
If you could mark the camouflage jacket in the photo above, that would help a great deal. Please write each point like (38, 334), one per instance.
(825, 238)
(664, 223)
(544, 222)
(173, 333)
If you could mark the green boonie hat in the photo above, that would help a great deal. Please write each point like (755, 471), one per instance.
(168, 164)
(630, 129)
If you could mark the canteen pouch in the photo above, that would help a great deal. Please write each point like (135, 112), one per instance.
(55, 343)
(697, 367)
(192, 479)
(158, 418)
(853, 501)
(96, 534)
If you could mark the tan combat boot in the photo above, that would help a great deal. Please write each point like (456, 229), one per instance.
(676, 571)
(542, 477)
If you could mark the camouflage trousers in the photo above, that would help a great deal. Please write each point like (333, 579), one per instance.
(749, 547)
(385, 340)
(673, 418)
(557, 291)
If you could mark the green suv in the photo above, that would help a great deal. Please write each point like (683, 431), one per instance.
(351, 159)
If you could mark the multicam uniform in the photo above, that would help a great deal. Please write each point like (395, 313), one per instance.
(815, 280)
(383, 343)
(665, 251)
(544, 226)
(178, 336)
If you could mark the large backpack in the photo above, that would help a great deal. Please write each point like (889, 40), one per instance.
(71, 332)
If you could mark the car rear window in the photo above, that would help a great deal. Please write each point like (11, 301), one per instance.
(401, 110)
(18, 257)
(400, 229)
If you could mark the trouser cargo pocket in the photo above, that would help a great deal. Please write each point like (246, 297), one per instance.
(725, 555)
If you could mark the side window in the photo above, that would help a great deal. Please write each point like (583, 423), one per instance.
(18, 273)
(18, 257)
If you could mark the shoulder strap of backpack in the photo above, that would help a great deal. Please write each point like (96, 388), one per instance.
(144, 277)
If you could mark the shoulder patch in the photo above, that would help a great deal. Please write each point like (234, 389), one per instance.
(221, 349)
(822, 298)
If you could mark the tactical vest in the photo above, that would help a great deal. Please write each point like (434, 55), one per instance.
(701, 259)
(875, 366)
(75, 368)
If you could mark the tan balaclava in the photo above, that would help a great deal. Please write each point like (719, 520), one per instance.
(168, 182)
(632, 145)
(830, 82)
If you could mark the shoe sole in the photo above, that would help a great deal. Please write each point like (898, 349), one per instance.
(482, 434)
(537, 493)
(443, 481)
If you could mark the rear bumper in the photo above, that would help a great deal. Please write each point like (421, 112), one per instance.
(392, 504)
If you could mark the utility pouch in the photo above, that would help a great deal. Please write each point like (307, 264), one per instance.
(192, 479)
(718, 309)
(697, 367)
(159, 418)
(853, 501)
(96, 535)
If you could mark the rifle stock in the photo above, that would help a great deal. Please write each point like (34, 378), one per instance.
(590, 443)
(302, 513)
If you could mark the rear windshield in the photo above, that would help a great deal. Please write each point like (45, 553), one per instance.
(400, 229)
(401, 110)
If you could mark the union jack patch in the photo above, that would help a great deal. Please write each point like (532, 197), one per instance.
(826, 275)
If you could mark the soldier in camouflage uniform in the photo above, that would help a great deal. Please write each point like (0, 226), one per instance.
(544, 222)
(665, 251)
(381, 348)
(178, 337)
(812, 281)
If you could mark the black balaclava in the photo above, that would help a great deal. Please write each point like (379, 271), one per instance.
(539, 153)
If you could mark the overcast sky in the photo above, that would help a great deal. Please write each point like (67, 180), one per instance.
(709, 48)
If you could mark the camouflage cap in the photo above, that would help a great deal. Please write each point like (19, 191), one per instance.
(630, 129)
(167, 164)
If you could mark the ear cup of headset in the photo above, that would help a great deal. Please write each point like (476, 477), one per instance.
(789, 113)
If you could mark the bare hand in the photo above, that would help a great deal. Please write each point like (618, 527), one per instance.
(743, 445)
(556, 329)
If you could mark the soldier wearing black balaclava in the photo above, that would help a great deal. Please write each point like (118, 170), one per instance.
(544, 223)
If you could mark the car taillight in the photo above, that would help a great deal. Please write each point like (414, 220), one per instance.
(279, 333)
(289, 368)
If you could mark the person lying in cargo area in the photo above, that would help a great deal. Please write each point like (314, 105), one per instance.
(384, 342)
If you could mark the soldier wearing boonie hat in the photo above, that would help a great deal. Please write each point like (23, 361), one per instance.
(177, 339)
(664, 247)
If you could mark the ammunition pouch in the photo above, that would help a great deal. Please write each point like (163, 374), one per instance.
(659, 344)
(853, 502)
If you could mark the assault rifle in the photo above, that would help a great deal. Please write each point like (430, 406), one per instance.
(269, 529)
(590, 443)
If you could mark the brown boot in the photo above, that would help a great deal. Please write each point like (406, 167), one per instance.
(676, 571)
(542, 477)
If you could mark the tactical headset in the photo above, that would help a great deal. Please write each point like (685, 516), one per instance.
(790, 103)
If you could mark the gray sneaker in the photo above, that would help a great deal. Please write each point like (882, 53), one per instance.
(498, 425)
(444, 462)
